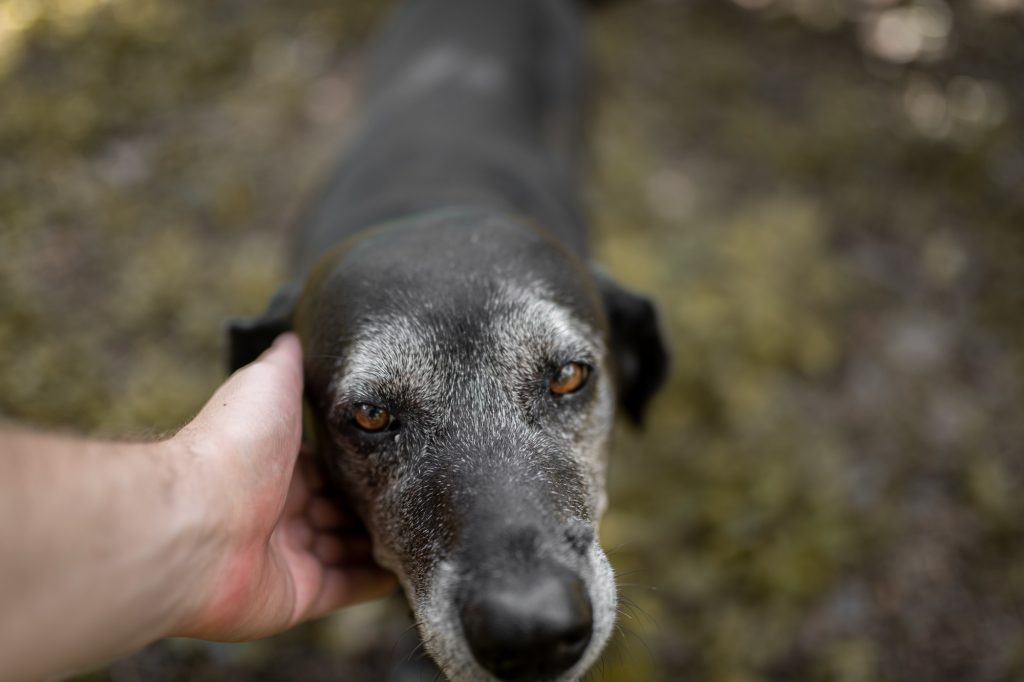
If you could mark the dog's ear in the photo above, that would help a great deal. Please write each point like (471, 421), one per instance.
(247, 339)
(638, 347)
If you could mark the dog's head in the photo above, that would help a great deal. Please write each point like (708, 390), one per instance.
(463, 371)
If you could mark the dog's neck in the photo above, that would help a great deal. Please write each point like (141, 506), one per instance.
(472, 106)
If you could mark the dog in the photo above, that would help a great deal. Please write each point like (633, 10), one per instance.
(464, 360)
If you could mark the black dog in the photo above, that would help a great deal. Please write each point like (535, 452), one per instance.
(463, 359)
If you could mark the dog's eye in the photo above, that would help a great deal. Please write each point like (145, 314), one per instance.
(569, 378)
(371, 417)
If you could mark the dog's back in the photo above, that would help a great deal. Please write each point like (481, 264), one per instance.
(466, 102)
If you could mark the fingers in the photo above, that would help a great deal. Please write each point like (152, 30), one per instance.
(330, 546)
(299, 495)
(329, 549)
(324, 514)
(305, 498)
(347, 586)
(311, 469)
(297, 534)
(318, 526)
(329, 569)
(348, 550)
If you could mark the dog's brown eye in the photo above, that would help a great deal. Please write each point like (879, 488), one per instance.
(371, 418)
(569, 378)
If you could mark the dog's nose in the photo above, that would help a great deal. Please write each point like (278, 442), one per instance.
(529, 629)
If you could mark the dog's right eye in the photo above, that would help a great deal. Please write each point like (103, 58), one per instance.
(371, 418)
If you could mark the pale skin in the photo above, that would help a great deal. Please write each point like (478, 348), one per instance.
(219, 532)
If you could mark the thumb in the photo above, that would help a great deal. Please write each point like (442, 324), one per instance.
(258, 410)
(286, 355)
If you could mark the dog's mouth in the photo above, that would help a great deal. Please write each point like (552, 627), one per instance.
(537, 621)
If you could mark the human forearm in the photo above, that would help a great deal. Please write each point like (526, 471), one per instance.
(99, 542)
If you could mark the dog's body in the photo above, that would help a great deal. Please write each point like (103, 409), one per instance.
(465, 103)
(462, 359)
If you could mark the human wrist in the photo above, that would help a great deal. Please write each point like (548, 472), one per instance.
(196, 531)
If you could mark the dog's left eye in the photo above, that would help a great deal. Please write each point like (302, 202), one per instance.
(569, 378)
(371, 417)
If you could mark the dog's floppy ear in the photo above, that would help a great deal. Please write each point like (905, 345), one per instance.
(247, 339)
(638, 347)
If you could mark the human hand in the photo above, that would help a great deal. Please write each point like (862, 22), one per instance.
(276, 551)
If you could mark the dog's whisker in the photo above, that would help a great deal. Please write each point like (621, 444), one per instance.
(406, 630)
(399, 636)
(635, 571)
(629, 632)
(421, 648)
(636, 608)
(621, 652)
(418, 649)
(604, 667)
(632, 615)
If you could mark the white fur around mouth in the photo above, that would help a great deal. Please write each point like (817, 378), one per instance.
(444, 640)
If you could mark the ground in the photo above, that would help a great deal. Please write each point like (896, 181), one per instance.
(824, 199)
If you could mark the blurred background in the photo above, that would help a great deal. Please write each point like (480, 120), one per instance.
(825, 198)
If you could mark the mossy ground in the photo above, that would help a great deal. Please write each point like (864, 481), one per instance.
(831, 486)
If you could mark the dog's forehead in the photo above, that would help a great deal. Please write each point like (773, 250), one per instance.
(436, 293)
(444, 255)
(507, 326)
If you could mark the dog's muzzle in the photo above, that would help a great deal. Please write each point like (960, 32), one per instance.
(527, 624)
